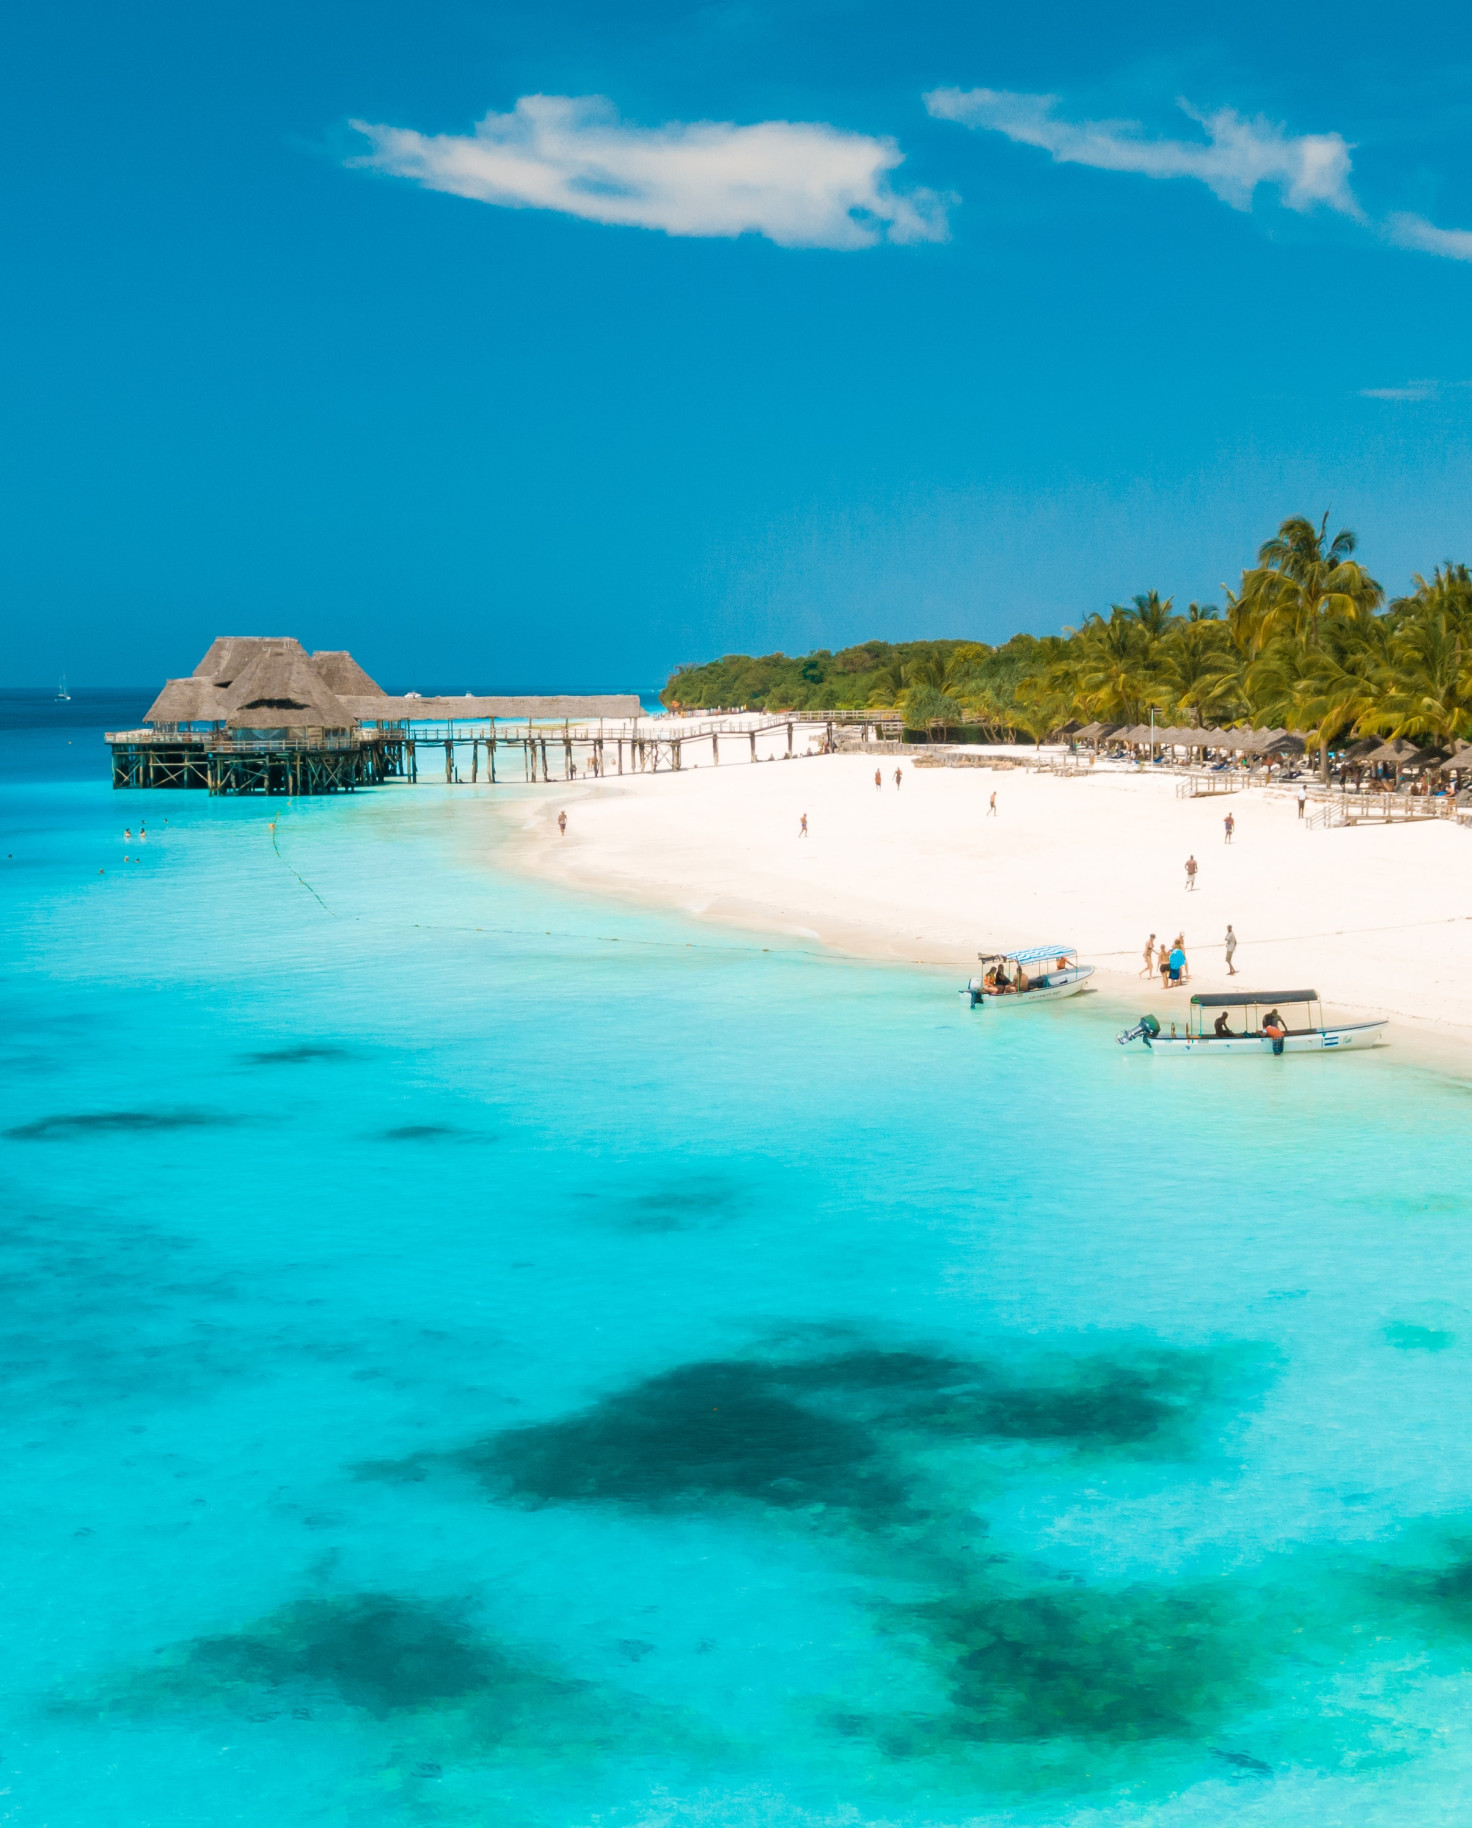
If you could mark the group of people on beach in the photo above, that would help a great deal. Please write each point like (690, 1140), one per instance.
(1171, 963)
(1173, 966)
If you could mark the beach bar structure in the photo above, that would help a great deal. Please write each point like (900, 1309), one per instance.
(259, 714)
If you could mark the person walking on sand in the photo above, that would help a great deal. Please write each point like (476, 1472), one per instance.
(897, 777)
(1149, 970)
(802, 826)
(878, 781)
(1191, 867)
(1229, 825)
(1302, 798)
(562, 823)
(991, 811)
(1231, 949)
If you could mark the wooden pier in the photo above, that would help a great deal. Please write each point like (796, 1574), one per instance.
(295, 763)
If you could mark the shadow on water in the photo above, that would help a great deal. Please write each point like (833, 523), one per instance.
(301, 1055)
(101, 1123)
(431, 1133)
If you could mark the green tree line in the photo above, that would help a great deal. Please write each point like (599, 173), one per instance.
(1307, 642)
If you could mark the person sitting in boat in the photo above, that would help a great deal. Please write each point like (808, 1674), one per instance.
(1024, 982)
(1222, 1026)
(989, 982)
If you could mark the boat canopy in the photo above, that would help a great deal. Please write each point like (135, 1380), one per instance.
(1242, 1000)
(1030, 955)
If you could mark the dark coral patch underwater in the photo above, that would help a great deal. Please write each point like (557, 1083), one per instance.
(842, 1430)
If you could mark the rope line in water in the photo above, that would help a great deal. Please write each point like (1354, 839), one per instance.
(299, 876)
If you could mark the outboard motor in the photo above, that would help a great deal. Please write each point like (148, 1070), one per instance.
(976, 990)
(1146, 1029)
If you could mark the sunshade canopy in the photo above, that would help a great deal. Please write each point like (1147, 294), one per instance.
(1031, 955)
(1242, 999)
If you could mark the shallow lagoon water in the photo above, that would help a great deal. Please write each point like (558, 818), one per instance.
(479, 1355)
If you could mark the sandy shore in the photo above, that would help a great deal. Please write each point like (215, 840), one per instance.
(1378, 919)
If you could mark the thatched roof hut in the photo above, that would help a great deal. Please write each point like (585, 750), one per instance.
(340, 673)
(187, 701)
(283, 691)
(1401, 752)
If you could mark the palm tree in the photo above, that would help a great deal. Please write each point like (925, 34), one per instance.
(1299, 581)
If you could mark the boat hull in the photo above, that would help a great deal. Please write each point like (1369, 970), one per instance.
(1315, 1041)
(1061, 984)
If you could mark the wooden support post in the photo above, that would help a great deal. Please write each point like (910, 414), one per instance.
(474, 758)
(675, 753)
(545, 776)
(491, 757)
(789, 739)
(620, 742)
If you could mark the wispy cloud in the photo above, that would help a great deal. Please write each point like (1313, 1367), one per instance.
(1413, 390)
(801, 184)
(1236, 156)
(1417, 232)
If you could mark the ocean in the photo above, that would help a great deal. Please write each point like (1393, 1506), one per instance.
(475, 1354)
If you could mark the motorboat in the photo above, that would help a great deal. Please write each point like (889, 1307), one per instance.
(1254, 1022)
(1035, 974)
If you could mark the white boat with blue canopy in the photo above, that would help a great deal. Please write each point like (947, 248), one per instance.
(1254, 1022)
(1024, 978)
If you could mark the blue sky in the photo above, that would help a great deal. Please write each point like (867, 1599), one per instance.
(518, 406)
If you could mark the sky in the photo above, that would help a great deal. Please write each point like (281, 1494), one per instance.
(548, 346)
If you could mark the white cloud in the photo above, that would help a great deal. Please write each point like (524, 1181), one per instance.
(1417, 232)
(1236, 156)
(801, 184)
(1413, 390)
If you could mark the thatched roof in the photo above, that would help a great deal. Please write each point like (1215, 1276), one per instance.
(270, 682)
(187, 701)
(340, 673)
(440, 710)
(283, 691)
(1401, 751)
(228, 655)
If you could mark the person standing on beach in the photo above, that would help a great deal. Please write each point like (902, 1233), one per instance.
(878, 781)
(1149, 970)
(1302, 799)
(1176, 964)
(896, 777)
(1191, 867)
(1231, 948)
(1229, 825)
(562, 823)
(802, 829)
(991, 811)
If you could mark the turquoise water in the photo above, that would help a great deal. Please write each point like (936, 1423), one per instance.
(475, 1355)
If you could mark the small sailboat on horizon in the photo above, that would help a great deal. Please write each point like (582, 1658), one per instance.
(63, 697)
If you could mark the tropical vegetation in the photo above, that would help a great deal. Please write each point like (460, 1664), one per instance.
(1307, 642)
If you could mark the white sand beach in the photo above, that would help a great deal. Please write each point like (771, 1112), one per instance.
(1378, 919)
